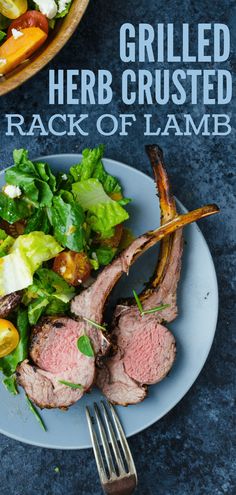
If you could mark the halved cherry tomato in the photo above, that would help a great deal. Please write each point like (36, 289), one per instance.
(9, 337)
(13, 8)
(32, 18)
(74, 267)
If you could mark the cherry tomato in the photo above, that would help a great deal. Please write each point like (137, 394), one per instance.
(32, 18)
(74, 267)
(9, 337)
(13, 8)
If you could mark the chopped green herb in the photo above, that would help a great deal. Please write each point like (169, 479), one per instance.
(138, 302)
(57, 469)
(158, 308)
(92, 322)
(84, 345)
(148, 311)
(70, 384)
(35, 413)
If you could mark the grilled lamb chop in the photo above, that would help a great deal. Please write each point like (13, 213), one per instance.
(9, 303)
(54, 341)
(145, 347)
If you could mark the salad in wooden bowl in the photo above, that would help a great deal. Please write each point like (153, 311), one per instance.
(31, 33)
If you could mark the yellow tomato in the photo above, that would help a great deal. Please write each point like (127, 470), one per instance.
(9, 337)
(13, 8)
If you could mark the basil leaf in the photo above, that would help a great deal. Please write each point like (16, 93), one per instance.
(70, 384)
(85, 347)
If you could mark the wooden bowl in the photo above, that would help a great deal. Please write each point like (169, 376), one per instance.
(56, 40)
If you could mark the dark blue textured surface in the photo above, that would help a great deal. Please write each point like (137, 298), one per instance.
(192, 449)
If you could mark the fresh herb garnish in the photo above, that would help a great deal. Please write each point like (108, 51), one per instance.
(148, 311)
(70, 384)
(57, 469)
(138, 302)
(85, 347)
(92, 322)
(35, 413)
(158, 308)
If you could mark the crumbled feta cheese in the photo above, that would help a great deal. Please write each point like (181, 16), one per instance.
(47, 7)
(16, 34)
(12, 191)
(3, 61)
(64, 177)
(62, 4)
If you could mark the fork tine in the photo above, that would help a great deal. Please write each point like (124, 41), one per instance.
(96, 449)
(114, 442)
(105, 443)
(123, 440)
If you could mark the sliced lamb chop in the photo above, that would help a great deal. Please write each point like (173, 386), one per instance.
(56, 358)
(9, 303)
(154, 345)
(145, 348)
(54, 341)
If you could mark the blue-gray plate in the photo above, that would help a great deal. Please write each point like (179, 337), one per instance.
(194, 328)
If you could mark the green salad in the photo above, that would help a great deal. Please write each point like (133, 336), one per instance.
(56, 231)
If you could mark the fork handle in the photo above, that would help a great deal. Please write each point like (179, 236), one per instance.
(125, 486)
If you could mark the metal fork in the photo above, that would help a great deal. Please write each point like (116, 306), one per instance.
(119, 477)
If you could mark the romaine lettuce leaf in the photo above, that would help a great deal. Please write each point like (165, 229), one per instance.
(67, 220)
(38, 221)
(49, 278)
(9, 363)
(26, 255)
(36, 309)
(36, 248)
(6, 242)
(10, 384)
(15, 273)
(105, 254)
(56, 307)
(91, 166)
(12, 210)
(103, 212)
(35, 179)
(49, 294)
